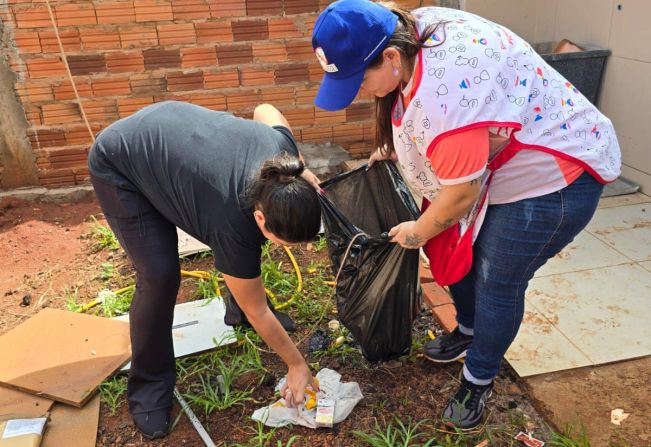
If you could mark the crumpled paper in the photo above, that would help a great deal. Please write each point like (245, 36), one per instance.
(346, 396)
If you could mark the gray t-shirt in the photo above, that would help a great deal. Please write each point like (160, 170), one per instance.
(194, 165)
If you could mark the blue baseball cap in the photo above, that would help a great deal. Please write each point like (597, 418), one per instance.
(347, 37)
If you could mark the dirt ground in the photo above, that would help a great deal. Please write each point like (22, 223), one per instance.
(47, 257)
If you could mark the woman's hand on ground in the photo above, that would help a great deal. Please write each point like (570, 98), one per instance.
(298, 378)
(406, 235)
(312, 179)
(378, 155)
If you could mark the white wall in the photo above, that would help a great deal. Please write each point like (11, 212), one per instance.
(623, 26)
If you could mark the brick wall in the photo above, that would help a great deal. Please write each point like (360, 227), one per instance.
(125, 54)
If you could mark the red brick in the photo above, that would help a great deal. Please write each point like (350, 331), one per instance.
(60, 113)
(180, 81)
(221, 79)
(283, 29)
(256, 76)
(33, 116)
(326, 117)
(62, 157)
(435, 295)
(75, 14)
(264, 7)
(198, 57)
(35, 17)
(155, 58)
(125, 62)
(214, 32)
(69, 39)
(245, 30)
(176, 34)
(86, 64)
(111, 86)
(227, 8)
(425, 273)
(301, 6)
(315, 71)
(183, 97)
(360, 111)
(34, 91)
(190, 9)
(286, 74)
(105, 111)
(153, 10)
(306, 95)
(110, 13)
(234, 54)
(41, 138)
(82, 175)
(98, 39)
(147, 83)
(278, 96)
(299, 117)
(213, 101)
(369, 131)
(138, 36)
(316, 134)
(269, 52)
(45, 68)
(300, 50)
(446, 315)
(128, 106)
(242, 99)
(56, 177)
(307, 25)
(27, 41)
(347, 133)
(79, 134)
(64, 90)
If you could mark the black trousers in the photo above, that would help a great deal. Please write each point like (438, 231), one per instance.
(151, 243)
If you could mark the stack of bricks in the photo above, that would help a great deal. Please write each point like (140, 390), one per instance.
(126, 54)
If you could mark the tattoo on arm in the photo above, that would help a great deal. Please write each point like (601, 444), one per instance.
(474, 182)
(445, 224)
(413, 240)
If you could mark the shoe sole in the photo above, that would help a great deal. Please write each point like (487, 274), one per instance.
(467, 429)
(460, 356)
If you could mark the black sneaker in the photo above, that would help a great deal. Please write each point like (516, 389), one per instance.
(153, 424)
(466, 409)
(449, 347)
(235, 316)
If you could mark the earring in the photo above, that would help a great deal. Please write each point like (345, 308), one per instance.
(396, 72)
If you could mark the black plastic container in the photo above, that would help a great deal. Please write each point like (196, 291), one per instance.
(584, 69)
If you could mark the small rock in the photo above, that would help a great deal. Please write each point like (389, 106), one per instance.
(513, 404)
(27, 300)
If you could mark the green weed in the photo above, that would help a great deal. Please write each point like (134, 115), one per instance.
(117, 304)
(398, 435)
(71, 299)
(321, 243)
(264, 438)
(107, 271)
(112, 393)
(569, 438)
(102, 236)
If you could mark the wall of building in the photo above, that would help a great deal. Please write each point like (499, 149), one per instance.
(125, 54)
(621, 26)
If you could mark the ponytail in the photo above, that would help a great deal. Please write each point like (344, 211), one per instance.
(289, 203)
(405, 40)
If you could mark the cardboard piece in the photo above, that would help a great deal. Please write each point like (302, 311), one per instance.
(73, 427)
(18, 404)
(189, 245)
(567, 46)
(24, 432)
(198, 326)
(63, 355)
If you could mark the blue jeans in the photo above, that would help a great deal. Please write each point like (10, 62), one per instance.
(515, 240)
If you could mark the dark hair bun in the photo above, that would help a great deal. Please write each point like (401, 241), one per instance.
(283, 168)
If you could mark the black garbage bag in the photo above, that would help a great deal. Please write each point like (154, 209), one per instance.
(378, 291)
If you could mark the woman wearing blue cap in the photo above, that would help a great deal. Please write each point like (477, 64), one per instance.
(509, 157)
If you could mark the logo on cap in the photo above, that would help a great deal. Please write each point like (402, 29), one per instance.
(320, 55)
